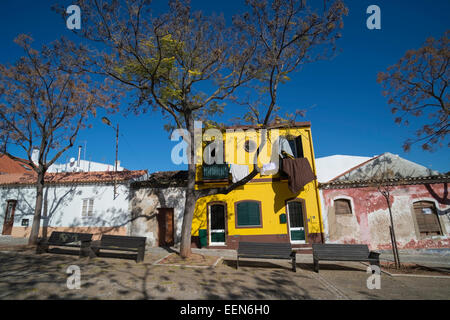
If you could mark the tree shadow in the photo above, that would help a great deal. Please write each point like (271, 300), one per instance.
(255, 264)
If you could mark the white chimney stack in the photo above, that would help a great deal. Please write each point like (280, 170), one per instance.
(35, 155)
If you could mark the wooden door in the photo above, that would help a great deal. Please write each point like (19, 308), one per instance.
(165, 227)
(9, 217)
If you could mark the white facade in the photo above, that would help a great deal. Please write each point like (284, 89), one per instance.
(63, 205)
(330, 167)
(83, 166)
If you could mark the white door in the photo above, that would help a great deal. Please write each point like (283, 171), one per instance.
(216, 225)
(296, 222)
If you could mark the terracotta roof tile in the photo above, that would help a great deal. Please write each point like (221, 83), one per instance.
(73, 177)
(8, 165)
(164, 179)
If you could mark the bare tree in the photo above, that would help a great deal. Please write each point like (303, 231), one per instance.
(187, 65)
(44, 102)
(383, 178)
(417, 87)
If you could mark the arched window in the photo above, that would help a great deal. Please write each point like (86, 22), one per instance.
(342, 206)
(427, 218)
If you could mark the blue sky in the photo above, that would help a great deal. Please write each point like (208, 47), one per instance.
(343, 100)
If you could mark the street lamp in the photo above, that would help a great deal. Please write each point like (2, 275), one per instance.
(106, 121)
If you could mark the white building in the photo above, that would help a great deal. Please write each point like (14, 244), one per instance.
(332, 166)
(94, 202)
(77, 164)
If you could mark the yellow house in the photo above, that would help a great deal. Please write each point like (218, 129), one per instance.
(265, 209)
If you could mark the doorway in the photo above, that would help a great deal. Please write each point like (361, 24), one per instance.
(296, 222)
(9, 217)
(217, 215)
(165, 227)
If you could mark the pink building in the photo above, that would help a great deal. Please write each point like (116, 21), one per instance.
(355, 211)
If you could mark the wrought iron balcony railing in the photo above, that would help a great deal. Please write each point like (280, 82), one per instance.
(215, 172)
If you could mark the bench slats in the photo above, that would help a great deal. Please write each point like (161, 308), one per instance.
(266, 251)
(342, 252)
(61, 238)
(122, 241)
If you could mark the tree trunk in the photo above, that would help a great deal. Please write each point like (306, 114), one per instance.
(45, 214)
(189, 206)
(37, 209)
(394, 240)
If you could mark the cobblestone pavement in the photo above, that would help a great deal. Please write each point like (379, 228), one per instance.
(25, 275)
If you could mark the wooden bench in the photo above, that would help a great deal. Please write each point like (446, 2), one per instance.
(66, 239)
(120, 243)
(343, 252)
(266, 251)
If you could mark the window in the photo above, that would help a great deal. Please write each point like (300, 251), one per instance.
(88, 207)
(26, 168)
(248, 214)
(342, 206)
(296, 146)
(427, 219)
(250, 146)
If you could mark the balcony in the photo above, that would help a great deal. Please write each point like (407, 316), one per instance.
(215, 172)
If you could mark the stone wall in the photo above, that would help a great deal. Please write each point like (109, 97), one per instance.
(144, 204)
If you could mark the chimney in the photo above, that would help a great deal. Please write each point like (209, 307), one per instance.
(79, 155)
(118, 164)
(35, 155)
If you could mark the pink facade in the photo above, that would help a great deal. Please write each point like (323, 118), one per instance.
(369, 220)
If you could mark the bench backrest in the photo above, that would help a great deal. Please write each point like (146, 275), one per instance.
(265, 249)
(122, 241)
(58, 237)
(339, 250)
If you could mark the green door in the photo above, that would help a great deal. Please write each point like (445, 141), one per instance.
(296, 222)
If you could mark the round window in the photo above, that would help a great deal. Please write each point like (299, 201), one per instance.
(250, 146)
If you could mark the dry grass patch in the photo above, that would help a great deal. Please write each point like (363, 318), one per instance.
(414, 269)
(194, 260)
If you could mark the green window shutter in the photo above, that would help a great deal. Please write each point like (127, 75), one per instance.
(248, 213)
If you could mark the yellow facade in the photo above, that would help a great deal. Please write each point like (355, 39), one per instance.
(271, 191)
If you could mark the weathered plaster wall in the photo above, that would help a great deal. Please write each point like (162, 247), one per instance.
(144, 204)
(370, 221)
